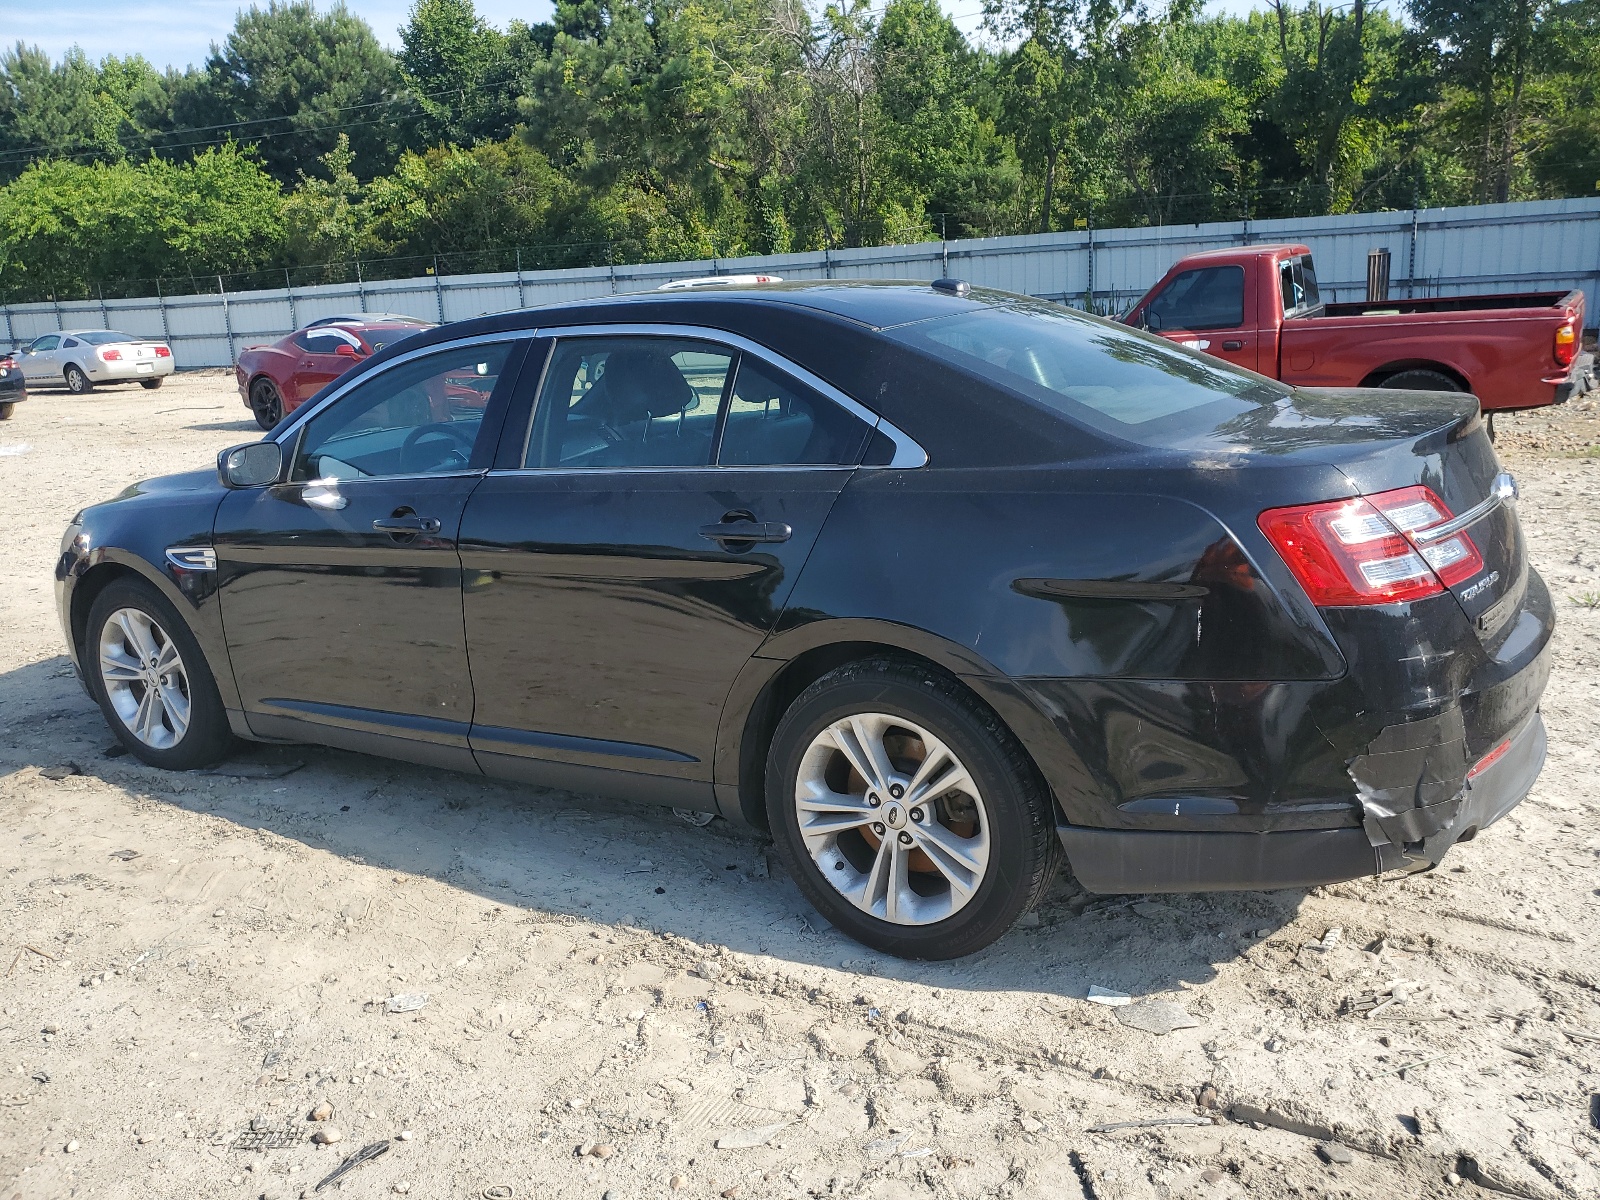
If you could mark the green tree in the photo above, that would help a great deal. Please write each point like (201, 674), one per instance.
(90, 112)
(459, 69)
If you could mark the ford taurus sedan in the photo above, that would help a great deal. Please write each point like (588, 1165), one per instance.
(936, 584)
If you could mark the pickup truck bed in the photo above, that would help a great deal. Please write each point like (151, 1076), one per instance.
(1259, 306)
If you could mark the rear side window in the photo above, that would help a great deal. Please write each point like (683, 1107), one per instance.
(774, 421)
(1298, 280)
(1107, 376)
(1202, 298)
(69, 343)
(629, 402)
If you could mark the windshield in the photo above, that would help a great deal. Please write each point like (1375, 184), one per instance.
(1117, 380)
(106, 337)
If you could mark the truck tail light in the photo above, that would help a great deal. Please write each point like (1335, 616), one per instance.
(1566, 348)
(163, 352)
(110, 355)
(1366, 550)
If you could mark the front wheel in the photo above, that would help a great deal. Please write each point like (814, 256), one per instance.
(152, 681)
(906, 812)
(77, 382)
(151, 385)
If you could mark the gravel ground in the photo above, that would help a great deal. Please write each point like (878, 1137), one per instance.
(189, 958)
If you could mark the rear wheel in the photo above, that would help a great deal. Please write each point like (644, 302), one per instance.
(1420, 379)
(151, 384)
(266, 403)
(152, 681)
(906, 812)
(6, 409)
(77, 382)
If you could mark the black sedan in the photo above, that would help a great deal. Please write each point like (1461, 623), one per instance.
(939, 585)
(13, 387)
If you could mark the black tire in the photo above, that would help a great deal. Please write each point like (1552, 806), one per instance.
(6, 409)
(1420, 379)
(151, 385)
(78, 383)
(1024, 851)
(266, 403)
(207, 737)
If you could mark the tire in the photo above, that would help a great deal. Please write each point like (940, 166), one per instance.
(1002, 822)
(6, 409)
(78, 383)
(151, 385)
(131, 615)
(1420, 379)
(266, 403)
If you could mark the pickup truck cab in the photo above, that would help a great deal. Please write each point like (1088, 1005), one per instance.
(1259, 307)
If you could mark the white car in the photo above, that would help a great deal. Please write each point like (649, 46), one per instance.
(78, 359)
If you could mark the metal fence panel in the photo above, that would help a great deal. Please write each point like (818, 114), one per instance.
(1544, 245)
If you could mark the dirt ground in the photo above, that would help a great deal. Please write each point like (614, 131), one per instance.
(185, 959)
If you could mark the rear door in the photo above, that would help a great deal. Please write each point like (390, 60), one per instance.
(1208, 308)
(629, 558)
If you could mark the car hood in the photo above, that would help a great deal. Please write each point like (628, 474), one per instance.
(161, 485)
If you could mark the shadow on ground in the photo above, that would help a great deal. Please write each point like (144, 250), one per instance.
(619, 862)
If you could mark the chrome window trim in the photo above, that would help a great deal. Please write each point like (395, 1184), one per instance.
(907, 454)
(306, 411)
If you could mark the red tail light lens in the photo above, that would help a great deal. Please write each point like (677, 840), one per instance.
(1566, 348)
(1365, 551)
(163, 352)
(110, 355)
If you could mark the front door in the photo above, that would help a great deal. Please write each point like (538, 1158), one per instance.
(320, 361)
(39, 360)
(620, 578)
(341, 585)
(1205, 308)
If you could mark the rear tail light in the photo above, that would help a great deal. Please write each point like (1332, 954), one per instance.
(163, 352)
(110, 355)
(1566, 348)
(1489, 759)
(1366, 551)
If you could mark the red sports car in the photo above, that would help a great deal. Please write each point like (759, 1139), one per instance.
(275, 380)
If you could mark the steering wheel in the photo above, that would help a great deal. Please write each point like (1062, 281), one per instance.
(448, 430)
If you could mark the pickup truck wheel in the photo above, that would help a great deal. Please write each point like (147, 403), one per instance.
(1420, 379)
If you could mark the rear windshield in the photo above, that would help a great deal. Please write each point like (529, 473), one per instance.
(106, 337)
(1117, 380)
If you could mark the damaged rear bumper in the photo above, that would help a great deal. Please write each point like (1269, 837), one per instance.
(1128, 861)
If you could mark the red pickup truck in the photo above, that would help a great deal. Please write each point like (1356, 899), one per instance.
(1258, 306)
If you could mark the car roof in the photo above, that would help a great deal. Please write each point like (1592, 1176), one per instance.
(367, 320)
(81, 332)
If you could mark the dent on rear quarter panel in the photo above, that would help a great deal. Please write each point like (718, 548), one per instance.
(1163, 661)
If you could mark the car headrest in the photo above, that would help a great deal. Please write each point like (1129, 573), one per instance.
(641, 384)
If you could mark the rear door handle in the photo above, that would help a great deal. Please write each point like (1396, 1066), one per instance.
(747, 531)
(1233, 344)
(406, 524)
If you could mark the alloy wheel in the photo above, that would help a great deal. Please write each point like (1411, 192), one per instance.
(893, 820)
(144, 678)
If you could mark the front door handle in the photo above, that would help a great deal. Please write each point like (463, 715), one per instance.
(402, 525)
(747, 531)
(1233, 344)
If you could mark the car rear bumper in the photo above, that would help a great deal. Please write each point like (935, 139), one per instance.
(117, 372)
(1133, 861)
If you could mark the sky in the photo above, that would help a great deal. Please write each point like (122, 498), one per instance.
(179, 33)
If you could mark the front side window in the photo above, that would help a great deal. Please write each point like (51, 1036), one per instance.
(774, 421)
(1201, 298)
(325, 341)
(629, 402)
(49, 342)
(421, 417)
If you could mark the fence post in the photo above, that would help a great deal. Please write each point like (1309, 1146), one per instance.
(11, 334)
(944, 255)
(161, 301)
(1411, 260)
(612, 269)
(521, 303)
(1091, 261)
(294, 321)
(227, 320)
(438, 289)
(361, 287)
(105, 317)
(827, 262)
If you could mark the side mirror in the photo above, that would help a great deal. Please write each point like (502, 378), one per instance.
(1152, 321)
(346, 350)
(254, 464)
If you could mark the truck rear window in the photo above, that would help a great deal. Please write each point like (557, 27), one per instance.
(1200, 298)
(1106, 375)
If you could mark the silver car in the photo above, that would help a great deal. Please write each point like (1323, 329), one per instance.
(78, 359)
